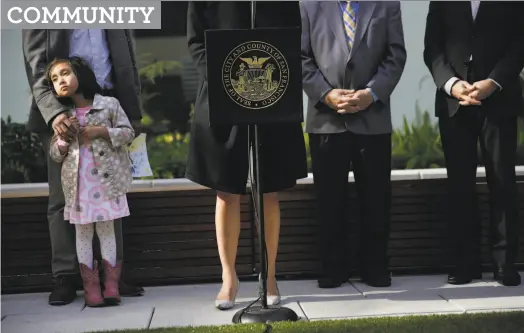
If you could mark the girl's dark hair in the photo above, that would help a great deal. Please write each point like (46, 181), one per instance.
(87, 84)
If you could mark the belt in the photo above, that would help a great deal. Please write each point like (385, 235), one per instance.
(108, 92)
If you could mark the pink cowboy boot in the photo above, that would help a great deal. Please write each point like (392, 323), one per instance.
(111, 279)
(91, 282)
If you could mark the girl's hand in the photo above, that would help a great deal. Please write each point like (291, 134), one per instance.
(89, 133)
(76, 124)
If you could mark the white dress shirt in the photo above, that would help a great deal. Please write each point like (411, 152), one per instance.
(91, 45)
(447, 87)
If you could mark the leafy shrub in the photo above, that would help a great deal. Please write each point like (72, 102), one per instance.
(167, 155)
(23, 159)
(417, 145)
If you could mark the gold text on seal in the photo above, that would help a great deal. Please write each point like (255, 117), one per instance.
(255, 75)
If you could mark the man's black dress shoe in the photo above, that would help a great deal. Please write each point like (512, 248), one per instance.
(64, 291)
(508, 276)
(465, 276)
(129, 290)
(329, 283)
(378, 279)
(459, 278)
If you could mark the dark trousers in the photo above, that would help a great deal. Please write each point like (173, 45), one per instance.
(63, 238)
(498, 143)
(370, 155)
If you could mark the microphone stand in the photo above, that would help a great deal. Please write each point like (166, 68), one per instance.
(262, 313)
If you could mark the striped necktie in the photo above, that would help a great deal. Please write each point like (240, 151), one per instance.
(350, 23)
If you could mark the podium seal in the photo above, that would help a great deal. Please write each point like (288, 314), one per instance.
(255, 75)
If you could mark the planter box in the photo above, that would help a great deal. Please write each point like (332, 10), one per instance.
(170, 236)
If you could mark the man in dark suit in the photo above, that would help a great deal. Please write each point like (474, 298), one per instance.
(353, 56)
(111, 55)
(475, 52)
(219, 155)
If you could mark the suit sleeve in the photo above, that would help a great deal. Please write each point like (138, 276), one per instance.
(137, 113)
(34, 47)
(196, 26)
(390, 70)
(509, 67)
(313, 81)
(434, 56)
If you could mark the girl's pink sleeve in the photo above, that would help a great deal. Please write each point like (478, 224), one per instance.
(58, 149)
(61, 143)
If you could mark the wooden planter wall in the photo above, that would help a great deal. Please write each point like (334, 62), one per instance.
(170, 236)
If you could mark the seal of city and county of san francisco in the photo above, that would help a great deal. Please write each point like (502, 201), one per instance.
(255, 75)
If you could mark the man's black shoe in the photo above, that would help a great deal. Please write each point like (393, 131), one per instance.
(64, 292)
(377, 279)
(508, 276)
(329, 283)
(128, 290)
(477, 275)
(459, 278)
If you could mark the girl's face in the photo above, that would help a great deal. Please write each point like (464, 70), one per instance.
(64, 80)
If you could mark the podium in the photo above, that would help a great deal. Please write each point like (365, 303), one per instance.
(255, 78)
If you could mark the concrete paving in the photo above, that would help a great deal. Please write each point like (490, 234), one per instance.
(193, 305)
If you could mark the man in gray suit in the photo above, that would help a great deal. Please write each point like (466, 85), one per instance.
(111, 55)
(353, 56)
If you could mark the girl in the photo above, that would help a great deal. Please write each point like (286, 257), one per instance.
(96, 172)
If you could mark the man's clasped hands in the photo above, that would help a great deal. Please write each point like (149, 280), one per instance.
(348, 101)
(473, 94)
(351, 101)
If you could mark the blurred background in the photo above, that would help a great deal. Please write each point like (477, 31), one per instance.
(169, 85)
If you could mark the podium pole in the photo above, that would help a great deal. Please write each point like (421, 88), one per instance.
(259, 205)
(262, 313)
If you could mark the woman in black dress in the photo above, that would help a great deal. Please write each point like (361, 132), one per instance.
(219, 155)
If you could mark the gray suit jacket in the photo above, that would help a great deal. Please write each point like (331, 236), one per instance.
(41, 46)
(376, 61)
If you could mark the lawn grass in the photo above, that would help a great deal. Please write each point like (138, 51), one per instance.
(496, 322)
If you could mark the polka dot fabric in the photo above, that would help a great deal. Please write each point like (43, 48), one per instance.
(91, 204)
(97, 175)
(105, 231)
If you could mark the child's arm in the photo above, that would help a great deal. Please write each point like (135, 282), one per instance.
(122, 132)
(59, 149)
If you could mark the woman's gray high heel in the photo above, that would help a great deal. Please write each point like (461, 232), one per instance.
(227, 304)
(273, 299)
